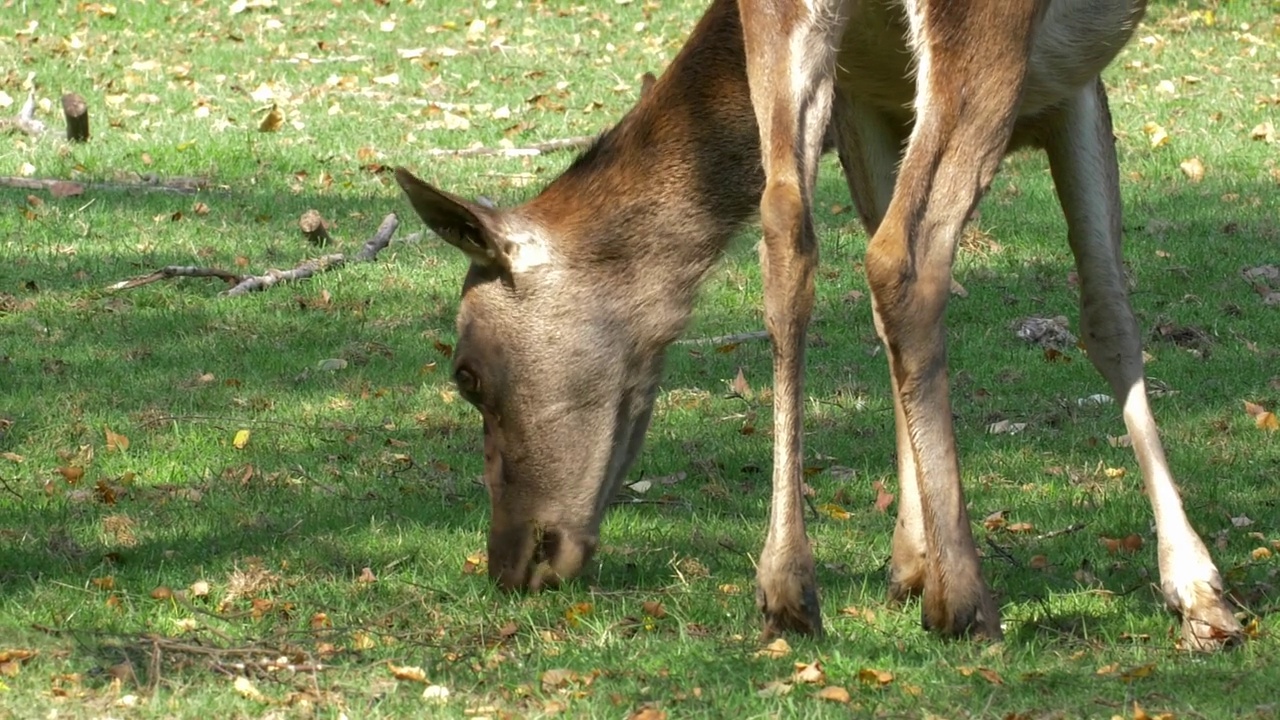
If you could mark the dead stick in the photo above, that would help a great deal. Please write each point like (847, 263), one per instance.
(370, 251)
(173, 271)
(538, 148)
(726, 339)
(1064, 531)
(185, 186)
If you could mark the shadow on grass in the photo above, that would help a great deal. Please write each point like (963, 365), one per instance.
(164, 333)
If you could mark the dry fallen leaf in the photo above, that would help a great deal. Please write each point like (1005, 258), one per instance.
(272, 121)
(1263, 131)
(774, 688)
(1193, 169)
(244, 686)
(834, 693)
(1267, 421)
(875, 678)
(883, 498)
(409, 673)
(779, 648)
(115, 442)
(241, 439)
(1156, 134)
(1260, 553)
(810, 673)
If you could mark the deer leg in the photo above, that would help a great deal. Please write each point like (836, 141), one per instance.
(790, 65)
(1083, 162)
(870, 145)
(967, 95)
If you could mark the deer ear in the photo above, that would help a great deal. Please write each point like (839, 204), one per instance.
(464, 225)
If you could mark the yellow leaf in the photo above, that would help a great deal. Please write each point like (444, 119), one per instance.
(273, 120)
(407, 672)
(1138, 672)
(245, 687)
(241, 439)
(1155, 134)
(774, 650)
(1114, 473)
(1264, 131)
(833, 511)
(1267, 421)
(1260, 553)
(1193, 169)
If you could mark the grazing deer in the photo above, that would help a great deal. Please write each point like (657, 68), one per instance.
(573, 297)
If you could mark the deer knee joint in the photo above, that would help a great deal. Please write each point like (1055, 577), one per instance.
(782, 212)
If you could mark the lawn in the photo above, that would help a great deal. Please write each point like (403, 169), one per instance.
(269, 505)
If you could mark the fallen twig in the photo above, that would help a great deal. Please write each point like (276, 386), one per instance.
(173, 271)
(1001, 552)
(244, 284)
(4, 482)
(726, 339)
(1064, 531)
(572, 143)
(148, 183)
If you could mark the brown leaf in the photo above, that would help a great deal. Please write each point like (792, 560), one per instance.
(71, 474)
(557, 678)
(106, 582)
(875, 678)
(991, 676)
(994, 521)
(444, 349)
(653, 609)
(648, 713)
(161, 592)
(883, 498)
(1267, 421)
(834, 693)
(1253, 410)
(115, 442)
(1260, 553)
(367, 576)
(1038, 562)
(739, 385)
(1021, 527)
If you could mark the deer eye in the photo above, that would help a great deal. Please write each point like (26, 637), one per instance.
(468, 383)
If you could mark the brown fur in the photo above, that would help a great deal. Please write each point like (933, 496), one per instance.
(573, 297)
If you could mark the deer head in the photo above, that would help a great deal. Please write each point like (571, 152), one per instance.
(564, 383)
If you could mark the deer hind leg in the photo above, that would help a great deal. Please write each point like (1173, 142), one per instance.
(790, 65)
(1083, 162)
(972, 63)
(870, 146)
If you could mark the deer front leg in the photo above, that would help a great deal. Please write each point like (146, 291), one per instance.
(869, 144)
(789, 70)
(1083, 162)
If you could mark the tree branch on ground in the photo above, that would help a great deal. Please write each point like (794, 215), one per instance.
(25, 120)
(245, 284)
(539, 148)
(147, 183)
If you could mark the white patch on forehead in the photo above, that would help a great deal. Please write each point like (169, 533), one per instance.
(525, 251)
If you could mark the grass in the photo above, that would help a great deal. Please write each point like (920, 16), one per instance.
(374, 465)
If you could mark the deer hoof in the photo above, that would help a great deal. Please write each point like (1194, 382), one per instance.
(904, 586)
(976, 619)
(793, 610)
(1209, 624)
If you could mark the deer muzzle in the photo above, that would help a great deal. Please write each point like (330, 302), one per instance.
(530, 556)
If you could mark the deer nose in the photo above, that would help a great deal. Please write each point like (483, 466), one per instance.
(532, 560)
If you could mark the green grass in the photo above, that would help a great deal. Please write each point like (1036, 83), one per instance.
(375, 465)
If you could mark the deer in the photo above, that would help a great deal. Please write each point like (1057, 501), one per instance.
(572, 298)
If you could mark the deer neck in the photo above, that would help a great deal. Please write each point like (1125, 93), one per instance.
(651, 206)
